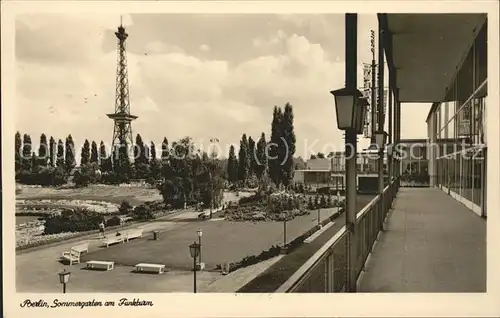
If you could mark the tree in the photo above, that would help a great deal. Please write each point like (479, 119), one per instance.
(17, 148)
(60, 154)
(178, 175)
(43, 151)
(152, 150)
(85, 155)
(141, 158)
(252, 154)
(94, 154)
(165, 153)
(232, 166)
(289, 139)
(275, 147)
(106, 163)
(261, 156)
(69, 159)
(243, 159)
(140, 152)
(34, 163)
(86, 175)
(154, 163)
(320, 155)
(26, 153)
(121, 162)
(52, 152)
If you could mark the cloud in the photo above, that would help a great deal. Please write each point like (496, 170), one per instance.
(178, 87)
(204, 47)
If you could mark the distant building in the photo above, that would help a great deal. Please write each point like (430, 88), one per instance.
(331, 170)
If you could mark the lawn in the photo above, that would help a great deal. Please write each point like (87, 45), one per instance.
(222, 241)
(278, 273)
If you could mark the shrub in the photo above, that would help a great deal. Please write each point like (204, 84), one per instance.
(114, 221)
(143, 213)
(125, 207)
(44, 176)
(322, 202)
(78, 220)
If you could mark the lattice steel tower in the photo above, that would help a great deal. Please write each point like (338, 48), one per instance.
(122, 132)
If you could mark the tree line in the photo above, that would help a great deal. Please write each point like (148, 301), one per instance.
(273, 159)
(259, 160)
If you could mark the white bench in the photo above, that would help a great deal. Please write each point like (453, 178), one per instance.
(145, 267)
(84, 247)
(100, 265)
(113, 240)
(72, 256)
(133, 234)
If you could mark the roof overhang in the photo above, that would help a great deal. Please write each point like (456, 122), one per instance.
(424, 51)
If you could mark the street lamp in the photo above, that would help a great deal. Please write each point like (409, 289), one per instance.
(284, 216)
(350, 107)
(64, 279)
(380, 139)
(194, 249)
(213, 155)
(199, 233)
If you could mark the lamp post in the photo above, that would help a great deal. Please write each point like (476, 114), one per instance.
(350, 109)
(64, 279)
(199, 233)
(194, 250)
(381, 140)
(284, 216)
(213, 155)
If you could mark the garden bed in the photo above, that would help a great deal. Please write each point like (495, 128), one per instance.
(277, 274)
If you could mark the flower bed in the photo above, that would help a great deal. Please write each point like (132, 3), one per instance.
(95, 206)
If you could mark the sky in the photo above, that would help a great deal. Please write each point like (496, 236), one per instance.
(203, 76)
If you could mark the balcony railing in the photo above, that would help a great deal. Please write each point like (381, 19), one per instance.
(326, 271)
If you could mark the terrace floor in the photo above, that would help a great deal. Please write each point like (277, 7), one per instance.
(432, 243)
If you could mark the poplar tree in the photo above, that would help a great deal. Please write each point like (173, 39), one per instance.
(232, 165)
(94, 154)
(85, 154)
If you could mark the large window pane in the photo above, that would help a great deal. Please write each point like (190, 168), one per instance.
(481, 56)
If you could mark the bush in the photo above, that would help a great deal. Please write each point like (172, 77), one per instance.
(78, 220)
(250, 199)
(114, 221)
(125, 207)
(44, 176)
(143, 213)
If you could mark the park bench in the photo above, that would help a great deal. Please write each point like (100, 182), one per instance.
(145, 267)
(113, 240)
(133, 234)
(100, 265)
(72, 256)
(84, 247)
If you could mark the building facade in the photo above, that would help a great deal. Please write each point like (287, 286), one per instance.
(457, 130)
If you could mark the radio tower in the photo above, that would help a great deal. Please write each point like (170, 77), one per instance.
(122, 132)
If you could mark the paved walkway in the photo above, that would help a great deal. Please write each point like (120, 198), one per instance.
(432, 243)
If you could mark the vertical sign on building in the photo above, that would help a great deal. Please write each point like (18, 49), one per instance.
(366, 90)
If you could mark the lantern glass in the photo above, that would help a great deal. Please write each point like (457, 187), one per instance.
(200, 233)
(64, 277)
(380, 139)
(194, 249)
(390, 149)
(346, 107)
